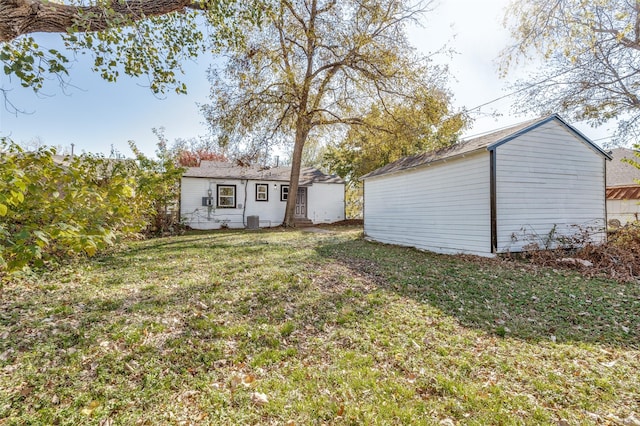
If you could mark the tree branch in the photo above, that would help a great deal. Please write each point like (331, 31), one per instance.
(19, 17)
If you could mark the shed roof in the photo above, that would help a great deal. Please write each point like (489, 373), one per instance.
(222, 170)
(621, 173)
(480, 143)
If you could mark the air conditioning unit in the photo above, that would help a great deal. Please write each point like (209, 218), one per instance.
(253, 222)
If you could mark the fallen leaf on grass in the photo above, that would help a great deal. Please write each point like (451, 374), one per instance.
(6, 354)
(89, 409)
(259, 398)
(248, 379)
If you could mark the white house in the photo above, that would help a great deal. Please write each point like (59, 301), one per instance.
(532, 183)
(623, 188)
(217, 195)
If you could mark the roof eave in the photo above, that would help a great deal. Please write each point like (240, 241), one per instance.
(427, 164)
(271, 179)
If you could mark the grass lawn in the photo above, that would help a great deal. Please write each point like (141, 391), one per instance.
(298, 328)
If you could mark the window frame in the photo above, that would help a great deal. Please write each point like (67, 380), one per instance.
(284, 195)
(266, 192)
(218, 196)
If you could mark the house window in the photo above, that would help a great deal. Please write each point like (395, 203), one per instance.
(226, 196)
(284, 192)
(262, 192)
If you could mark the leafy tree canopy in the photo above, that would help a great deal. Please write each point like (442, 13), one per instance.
(408, 129)
(591, 52)
(133, 37)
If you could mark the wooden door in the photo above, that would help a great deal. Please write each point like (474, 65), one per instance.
(301, 203)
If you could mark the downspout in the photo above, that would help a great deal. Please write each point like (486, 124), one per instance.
(180, 202)
(244, 206)
(344, 201)
(493, 200)
(606, 212)
(364, 231)
(211, 198)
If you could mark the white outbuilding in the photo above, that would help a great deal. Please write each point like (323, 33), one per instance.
(539, 183)
(225, 195)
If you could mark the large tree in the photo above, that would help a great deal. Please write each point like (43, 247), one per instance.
(410, 128)
(133, 37)
(591, 54)
(315, 65)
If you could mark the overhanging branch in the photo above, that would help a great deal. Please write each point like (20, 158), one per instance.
(19, 17)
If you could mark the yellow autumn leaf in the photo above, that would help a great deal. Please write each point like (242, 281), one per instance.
(3, 210)
(90, 249)
(89, 409)
(248, 379)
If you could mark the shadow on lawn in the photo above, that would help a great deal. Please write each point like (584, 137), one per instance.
(195, 318)
(157, 328)
(499, 297)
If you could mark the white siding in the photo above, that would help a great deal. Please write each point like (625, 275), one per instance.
(443, 208)
(325, 202)
(198, 216)
(547, 179)
(624, 210)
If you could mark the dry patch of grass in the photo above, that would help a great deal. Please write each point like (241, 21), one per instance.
(278, 327)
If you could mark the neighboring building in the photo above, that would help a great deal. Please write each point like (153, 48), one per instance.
(532, 183)
(217, 195)
(623, 188)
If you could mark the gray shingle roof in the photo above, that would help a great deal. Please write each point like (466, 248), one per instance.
(472, 145)
(221, 170)
(620, 173)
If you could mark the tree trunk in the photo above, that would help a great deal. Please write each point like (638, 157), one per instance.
(302, 131)
(18, 17)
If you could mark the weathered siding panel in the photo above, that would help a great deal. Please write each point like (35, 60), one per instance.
(443, 207)
(547, 180)
(325, 202)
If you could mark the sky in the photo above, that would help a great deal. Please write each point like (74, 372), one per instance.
(95, 115)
